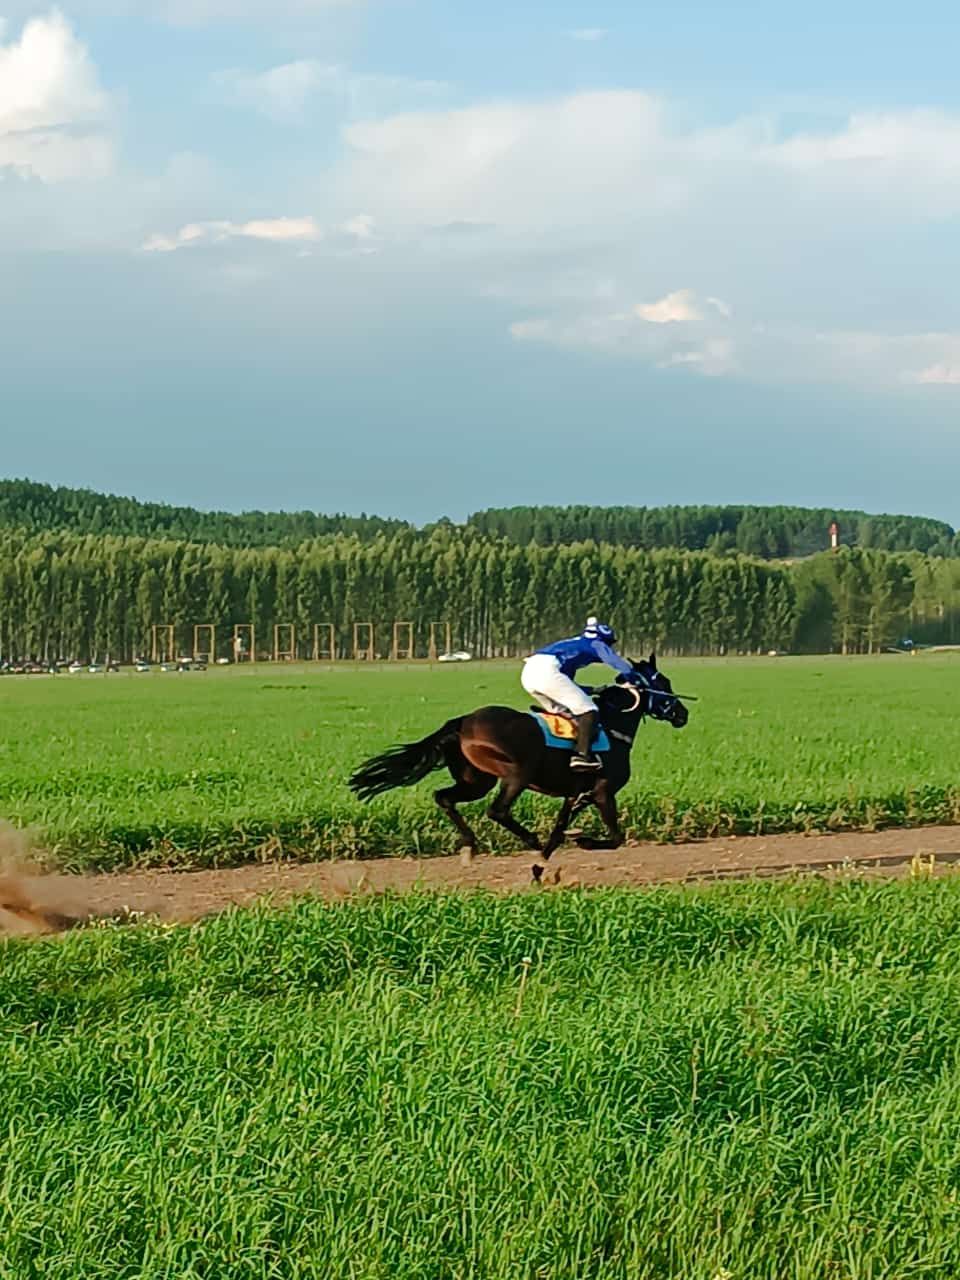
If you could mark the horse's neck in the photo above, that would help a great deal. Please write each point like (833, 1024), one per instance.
(621, 736)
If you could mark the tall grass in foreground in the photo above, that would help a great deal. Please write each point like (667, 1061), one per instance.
(759, 1082)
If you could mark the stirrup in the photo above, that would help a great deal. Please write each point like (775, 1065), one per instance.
(584, 763)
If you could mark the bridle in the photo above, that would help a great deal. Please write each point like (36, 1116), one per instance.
(637, 691)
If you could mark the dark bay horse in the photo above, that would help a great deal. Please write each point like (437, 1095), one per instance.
(500, 744)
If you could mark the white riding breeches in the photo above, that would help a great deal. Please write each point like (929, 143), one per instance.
(542, 678)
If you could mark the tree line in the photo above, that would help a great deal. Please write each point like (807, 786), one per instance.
(89, 597)
(27, 505)
(775, 532)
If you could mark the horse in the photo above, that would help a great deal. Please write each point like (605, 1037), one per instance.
(501, 744)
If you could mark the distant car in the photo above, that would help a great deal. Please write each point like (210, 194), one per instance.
(75, 668)
(142, 666)
(458, 655)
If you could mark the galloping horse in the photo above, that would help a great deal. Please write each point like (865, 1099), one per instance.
(499, 743)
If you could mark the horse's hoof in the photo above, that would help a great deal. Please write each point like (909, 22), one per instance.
(538, 871)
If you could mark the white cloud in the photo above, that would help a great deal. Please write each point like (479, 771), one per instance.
(598, 163)
(712, 345)
(671, 332)
(279, 230)
(719, 305)
(361, 226)
(589, 34)
(885, 358)
(283, 93)
(576, 161)
(607, 195)
(675, 308)
(908, 160)
(52, 107)
(280, 93)
(356, 234)
(596, 206)
(940, 374)
(715, 357)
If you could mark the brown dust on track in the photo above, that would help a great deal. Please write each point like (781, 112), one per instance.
(32, 903)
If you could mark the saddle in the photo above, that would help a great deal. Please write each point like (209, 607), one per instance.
(560, 731)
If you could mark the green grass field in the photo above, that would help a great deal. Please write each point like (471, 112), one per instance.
(230, 765)
(748, 1082)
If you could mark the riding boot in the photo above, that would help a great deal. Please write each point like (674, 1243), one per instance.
(583, 758)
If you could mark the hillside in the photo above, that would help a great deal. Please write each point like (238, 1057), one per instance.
(41, 508)
(775, 532)
(770, 532)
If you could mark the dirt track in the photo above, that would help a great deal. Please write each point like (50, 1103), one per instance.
(41, 904)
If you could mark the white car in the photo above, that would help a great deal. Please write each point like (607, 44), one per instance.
(458, 655)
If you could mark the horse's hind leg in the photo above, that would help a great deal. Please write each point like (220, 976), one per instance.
(499, 811)
(474, 786)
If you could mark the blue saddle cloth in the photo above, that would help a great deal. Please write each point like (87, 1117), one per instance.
(600, 740)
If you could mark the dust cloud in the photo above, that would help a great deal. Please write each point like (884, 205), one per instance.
(32, 902)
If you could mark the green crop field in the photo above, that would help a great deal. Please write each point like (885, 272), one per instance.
(230, 765)
(748, 1082)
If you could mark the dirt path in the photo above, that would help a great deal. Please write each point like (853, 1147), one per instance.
(42, 904)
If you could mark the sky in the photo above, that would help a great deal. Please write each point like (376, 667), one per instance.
(418, 258)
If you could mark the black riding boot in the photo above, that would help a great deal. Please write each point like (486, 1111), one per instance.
(583, 757)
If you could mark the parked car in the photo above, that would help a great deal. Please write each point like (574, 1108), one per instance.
(458, 655)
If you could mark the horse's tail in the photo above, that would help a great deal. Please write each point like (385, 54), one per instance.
(403, 766)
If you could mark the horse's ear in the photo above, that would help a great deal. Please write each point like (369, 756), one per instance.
(653, 660)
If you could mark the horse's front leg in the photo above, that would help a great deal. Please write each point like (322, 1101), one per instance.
(605, 799)
(555, 838)
(499, 811)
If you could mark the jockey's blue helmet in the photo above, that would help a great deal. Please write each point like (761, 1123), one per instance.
(595, 630)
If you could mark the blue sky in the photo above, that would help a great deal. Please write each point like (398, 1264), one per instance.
(418, 258)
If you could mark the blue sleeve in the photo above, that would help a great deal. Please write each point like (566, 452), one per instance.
(606, 654)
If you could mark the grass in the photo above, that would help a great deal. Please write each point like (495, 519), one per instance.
(227, 766)
(751, 1081)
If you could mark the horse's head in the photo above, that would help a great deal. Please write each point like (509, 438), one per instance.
(662, 702)
(651, 696)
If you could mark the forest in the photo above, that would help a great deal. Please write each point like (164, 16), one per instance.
(65, 596)
(36, 508)
(774, 532)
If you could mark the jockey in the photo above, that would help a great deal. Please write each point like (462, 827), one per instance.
(547, 674)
